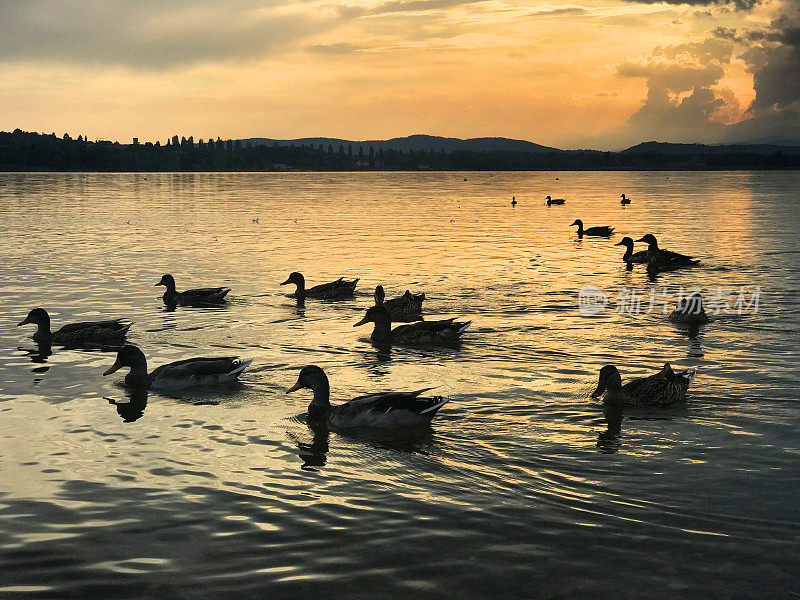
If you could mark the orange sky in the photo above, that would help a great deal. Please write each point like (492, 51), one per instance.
(569, 75)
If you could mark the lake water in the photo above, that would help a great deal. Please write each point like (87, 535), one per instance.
(523, 487)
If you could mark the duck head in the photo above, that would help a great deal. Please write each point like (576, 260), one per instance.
(577, 222)
(128, 356)
(168, 281)
(626, 241)
(650, 240)
(297, 279)
(38, 316)
(609, 378)
(380, 295)
(313, 378)
(548, 198)
(622, 196)
(377, 315)
(693, 305)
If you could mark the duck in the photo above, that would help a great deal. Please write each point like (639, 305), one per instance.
(110, 332)
(513, 200)
(407, 307)
(664, 260)
(662, 389)
(178, 375)
(382, 409)
(630, 256)
(335, 290)
(625, 200)
(191, 297)
(599, 231)
(690, 311)
(551, 201)
(443, 333)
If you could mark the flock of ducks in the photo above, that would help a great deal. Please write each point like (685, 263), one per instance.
(385, 409)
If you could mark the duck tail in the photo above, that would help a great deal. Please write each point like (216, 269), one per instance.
(238, 367)
(440, 402)
(463, 327)
(688, 375)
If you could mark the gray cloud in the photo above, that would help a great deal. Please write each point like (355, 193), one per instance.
(745, 5)
(151, 34)
(338, 48)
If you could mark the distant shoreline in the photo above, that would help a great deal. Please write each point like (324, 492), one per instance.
(34, 152)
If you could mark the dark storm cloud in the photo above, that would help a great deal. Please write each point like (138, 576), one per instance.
(774, 60)
(737, 4)
(151, 34)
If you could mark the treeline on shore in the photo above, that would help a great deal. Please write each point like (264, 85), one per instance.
(24, 151)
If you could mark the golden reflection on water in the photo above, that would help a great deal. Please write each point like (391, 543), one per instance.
(519, 431)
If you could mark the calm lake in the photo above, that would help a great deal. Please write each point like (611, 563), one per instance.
(522, 487)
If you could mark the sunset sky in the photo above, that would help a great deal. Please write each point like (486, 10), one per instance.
(603, 74)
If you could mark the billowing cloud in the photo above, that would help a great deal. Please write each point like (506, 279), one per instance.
(681, 95)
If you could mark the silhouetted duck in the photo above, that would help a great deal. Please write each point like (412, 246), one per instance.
(662, 389)
(191, 297)
(690, 311)
(178, 375)
(446, 332)
(513, 200)
(630, 256)
(625, 200)
(109, 333)
(664, 260)
(599, 231)
(335, 290)
(551, 201)
(407, 307)
(383, 409)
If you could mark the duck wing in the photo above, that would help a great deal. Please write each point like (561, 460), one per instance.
(341, 288)
(387, 409)
(200, 295)
(198, 372)
(405, 307)
(662, 389)
(639, 257)
(98, 332)
(600, 230)
(447, 331)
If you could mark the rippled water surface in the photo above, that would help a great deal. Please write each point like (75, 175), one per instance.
(523, 487)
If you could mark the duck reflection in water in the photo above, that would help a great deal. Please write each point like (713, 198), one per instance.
(315, 453)
(133, 409)
(39, 355)
(608, 440)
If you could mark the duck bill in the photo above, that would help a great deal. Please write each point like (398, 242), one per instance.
(294, 388)
(159, 283)
(23, 322)
(115, 367)
(599, 391)
(619, 244)
(361, 322)
(288, 281)
(639, 240)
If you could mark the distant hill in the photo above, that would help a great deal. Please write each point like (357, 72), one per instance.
(416, 143)
(703, 149)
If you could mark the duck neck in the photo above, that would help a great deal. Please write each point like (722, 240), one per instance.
(300, 292)
(628, 253)
(42, 330)
(614, 391)
(322, 396)
(138, 377)
(382, 332)
(580, 229)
